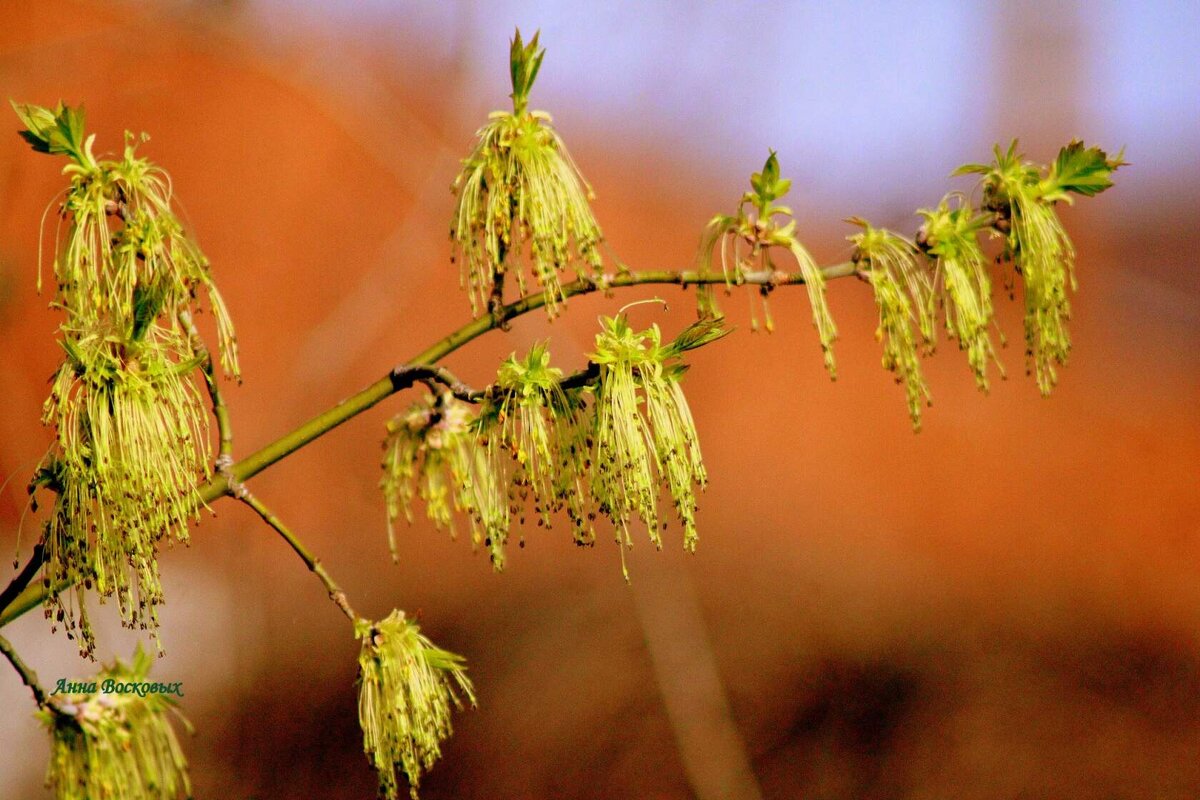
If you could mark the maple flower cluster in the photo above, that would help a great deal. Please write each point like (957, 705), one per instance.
(748, 242)
(944, 270)
(407, 690)
(608, 441)
(131, 430)
(519, 187)
(115, 746)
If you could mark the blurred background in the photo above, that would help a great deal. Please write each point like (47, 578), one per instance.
(1005, 605)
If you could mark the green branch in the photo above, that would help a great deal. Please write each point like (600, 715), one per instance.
(311, 561)
(418, 369)
(28, 676)
(392, 383)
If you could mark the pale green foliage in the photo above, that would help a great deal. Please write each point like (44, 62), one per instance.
(434, 450)
(519, 187)
(408, 689)
(951, 237)
(1022, 195)
(904, 296)
(747, 242)
(131, 432)
(112, 746)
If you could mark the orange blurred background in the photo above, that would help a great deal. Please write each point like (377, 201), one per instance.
(1005, 605)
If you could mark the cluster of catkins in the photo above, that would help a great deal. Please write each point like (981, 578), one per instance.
(520, 190)
(115, 745)
(131, 428)
(407, 690)
(604, 442)
(945, 269)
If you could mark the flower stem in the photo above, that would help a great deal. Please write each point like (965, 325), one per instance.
(219, 409)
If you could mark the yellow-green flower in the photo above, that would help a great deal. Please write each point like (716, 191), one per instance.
(535, 433)
(951, 237)
(131, 446)
(644, 432)
(1022, 195)
(408, 689)
(520, 190)
(904, 297)
(131, 430)
(435, 451)
(124, 263)
(110, 745)
(747, 242)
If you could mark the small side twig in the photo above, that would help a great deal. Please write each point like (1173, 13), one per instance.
(219, 409)
(24, 577)
(405, 375)
(28, 676)
(336, 594)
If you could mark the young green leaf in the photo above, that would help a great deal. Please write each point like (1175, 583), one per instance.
(58, 132)
(1082, 170)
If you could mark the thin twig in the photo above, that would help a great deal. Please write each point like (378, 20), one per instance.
(28, 676)
(312, 562)
(219, 409)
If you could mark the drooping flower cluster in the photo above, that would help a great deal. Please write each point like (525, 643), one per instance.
(539, 438)
(434, 451)
(112, 742)
(607, 442)
(518, 189)
(747, 241)
(131, 431)
(904, 296)
(1022, 196)
(950, 236)
(644, 433)
(407, 690)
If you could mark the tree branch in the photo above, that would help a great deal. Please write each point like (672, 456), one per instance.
(219, 409)
(390, 384)
(419, 369)
(312, 562)
(28, 676)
